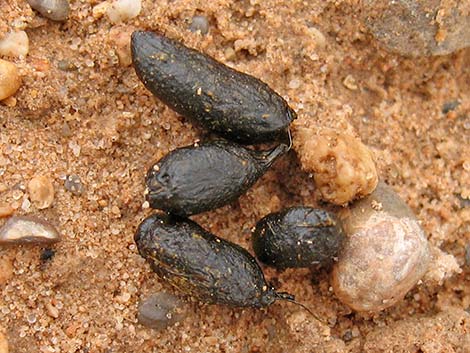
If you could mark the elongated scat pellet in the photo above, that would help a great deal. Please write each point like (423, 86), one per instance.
(298, 237)
(195, 179)
(230, 103)
(200, 264)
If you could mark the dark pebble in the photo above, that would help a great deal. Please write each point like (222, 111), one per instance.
(47, 254)
(449, 106)
(74, 184)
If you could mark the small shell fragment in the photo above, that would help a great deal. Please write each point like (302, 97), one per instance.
(28, 230)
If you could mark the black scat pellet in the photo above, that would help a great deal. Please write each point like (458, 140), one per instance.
(202, 265)
(297, 237)
(200, 178)
(235, 105)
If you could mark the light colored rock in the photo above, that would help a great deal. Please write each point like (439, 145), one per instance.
(384, 255)
(342, 166)
(28, 230)
(56, 10)
(419, 27)
(14, 44)
(10, 79)
(41, 191)
(123, 10)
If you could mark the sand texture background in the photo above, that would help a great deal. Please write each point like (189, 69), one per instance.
(96, 120)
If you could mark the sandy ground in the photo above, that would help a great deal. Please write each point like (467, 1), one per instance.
(96, 120)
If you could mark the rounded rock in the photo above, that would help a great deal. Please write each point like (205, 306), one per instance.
(160, 310)
(14, 44)
(41, 191)
(385, 252)
(56, 10)
(10, 79)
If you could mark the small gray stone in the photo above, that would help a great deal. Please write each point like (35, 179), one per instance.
(199, 23)
(419, 28)
(74, 184)
(160, 310)
(56, 10)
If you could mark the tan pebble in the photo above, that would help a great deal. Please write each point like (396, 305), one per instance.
(343, 167)
(3, 343)
(41, 191)
(6, 210)
(120, 37)
(384, 255)
(52, 311)
(71, 330)
(14, 44)
(28, 230)
(6, 270)
(100, 9)
(10, 79)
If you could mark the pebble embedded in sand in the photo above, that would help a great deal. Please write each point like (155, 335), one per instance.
(384, 255)
(56, 10)
(122, 10)
(120, 37)
(28, 230)
(199, 24)
(3, 343)
(41, 191)
(160, 310)
(10, 79)
(14, 44)
(342, 166)
(74, 184)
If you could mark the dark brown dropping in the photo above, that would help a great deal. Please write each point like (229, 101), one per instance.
(234, 105)
(297, 237)
(202, 265)
(196, 179)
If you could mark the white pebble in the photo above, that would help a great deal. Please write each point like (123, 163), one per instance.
(122, 10)
(14, 44)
